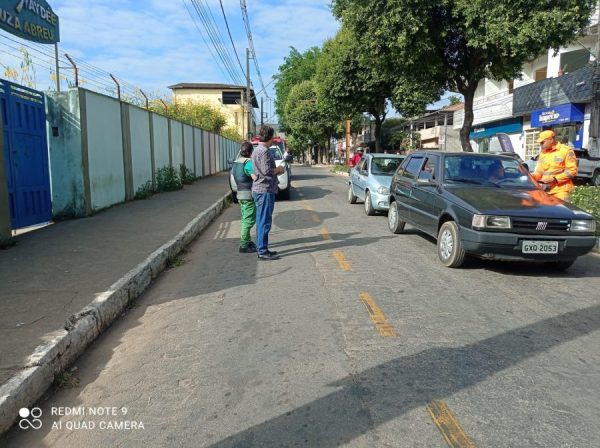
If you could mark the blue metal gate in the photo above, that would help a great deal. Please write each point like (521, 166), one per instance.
(25, 154)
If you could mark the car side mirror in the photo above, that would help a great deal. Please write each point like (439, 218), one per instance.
(426, 182)
(289, 158)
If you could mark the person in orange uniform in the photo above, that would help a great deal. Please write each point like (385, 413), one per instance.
(556, 166)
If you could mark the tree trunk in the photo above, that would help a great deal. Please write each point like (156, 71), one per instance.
(465, 142)
(378, 123)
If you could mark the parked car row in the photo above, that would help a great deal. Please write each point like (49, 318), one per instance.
(482, 205)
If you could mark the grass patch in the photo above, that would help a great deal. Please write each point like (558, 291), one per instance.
(588, 199)
(145, 191)
(168, 179)
(64, 380)
(340, 169)
(177, 260)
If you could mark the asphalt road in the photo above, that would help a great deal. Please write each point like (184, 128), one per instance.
(356, 337)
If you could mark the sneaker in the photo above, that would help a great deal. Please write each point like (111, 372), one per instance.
(247, 249)
(268, 256)
(252, 245)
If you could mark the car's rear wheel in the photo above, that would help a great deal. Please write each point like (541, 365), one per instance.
(351, 197)
(450, 250)
(559, 266)
(395, 224)
(234, 198)
(369, 210)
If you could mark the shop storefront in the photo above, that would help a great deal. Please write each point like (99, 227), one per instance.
(567, 120)
(484, 136)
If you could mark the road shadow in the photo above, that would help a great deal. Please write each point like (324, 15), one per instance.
(301, 219)
(313, 239)
(394, 388)
(349, 242)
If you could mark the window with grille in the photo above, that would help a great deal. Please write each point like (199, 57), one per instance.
(232, 97)
(532, 147)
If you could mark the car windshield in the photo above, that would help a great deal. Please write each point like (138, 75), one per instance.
(498, 172)
(385, 165)
(275, 150)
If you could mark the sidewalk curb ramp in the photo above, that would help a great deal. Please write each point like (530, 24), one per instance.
(64, 346)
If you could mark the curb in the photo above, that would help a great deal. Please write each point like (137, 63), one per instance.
(65, 345)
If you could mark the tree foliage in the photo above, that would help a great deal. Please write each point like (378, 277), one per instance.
(297, 67)
(201, 115)
(456, 43)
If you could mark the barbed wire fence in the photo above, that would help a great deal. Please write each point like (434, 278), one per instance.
(34, 65)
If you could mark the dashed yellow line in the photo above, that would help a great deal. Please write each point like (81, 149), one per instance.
(325, 233)
(452, 431)
(307, 206)
(381, 323)
(339, 256)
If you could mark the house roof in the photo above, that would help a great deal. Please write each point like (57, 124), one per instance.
(214, 86)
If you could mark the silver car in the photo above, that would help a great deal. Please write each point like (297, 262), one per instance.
(370, 181)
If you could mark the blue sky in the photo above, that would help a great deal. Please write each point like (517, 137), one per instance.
(155, 43)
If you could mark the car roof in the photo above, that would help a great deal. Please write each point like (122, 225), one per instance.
(467, 154)
(381, 155)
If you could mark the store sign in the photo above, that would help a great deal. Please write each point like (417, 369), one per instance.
(565, 113)
(511, 126)
(32, 20)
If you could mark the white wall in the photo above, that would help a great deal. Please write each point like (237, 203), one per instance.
(161, 141)
(188, 147)
(140, 146)
(105, 150)
(198, 151)
(176, 143)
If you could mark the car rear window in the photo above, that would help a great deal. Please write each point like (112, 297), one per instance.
(385, 165)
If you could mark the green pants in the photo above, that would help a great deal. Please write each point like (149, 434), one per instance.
(248, 208)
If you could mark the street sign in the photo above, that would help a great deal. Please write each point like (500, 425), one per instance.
(33, 20)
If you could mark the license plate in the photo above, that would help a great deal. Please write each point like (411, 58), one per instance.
(540, 247)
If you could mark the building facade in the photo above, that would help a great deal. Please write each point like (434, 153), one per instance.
(229, 99)
(555, 91)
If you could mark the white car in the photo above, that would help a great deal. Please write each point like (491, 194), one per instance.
(285, 179)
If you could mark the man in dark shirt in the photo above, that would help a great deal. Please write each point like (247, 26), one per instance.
(264, 190)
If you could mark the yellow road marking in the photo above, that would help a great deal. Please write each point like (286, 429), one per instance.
(339, 256)
(316, 219)
(452, 431)
(381, 323)
(307, 206)
(325, 233)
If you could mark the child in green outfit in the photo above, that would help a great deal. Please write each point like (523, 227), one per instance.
(243, 175)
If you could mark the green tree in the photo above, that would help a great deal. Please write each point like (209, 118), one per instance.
(201, 115)
(297, 67)
(457, 43)
(306, 121)
(454, 100)
(351, 80)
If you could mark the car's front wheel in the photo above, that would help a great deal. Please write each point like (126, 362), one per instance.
(450, 251)
(395, 224)
(369, 210)
(351, 197)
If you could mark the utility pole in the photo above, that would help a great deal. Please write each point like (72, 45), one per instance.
(261, 111)
(347, 142)
(248, 99)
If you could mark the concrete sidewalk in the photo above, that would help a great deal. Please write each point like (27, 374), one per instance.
(51, 277)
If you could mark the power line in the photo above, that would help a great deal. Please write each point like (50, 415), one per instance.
(207, 20)
(204, 39)
(251, 43)
(231, 38)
